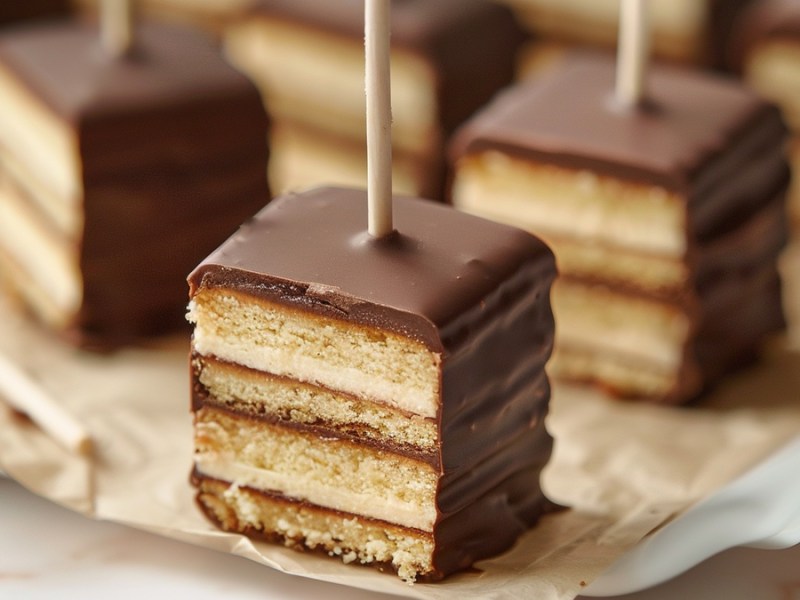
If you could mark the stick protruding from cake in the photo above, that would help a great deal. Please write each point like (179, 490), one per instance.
(116, 26)
(377, 21)
(633, 49)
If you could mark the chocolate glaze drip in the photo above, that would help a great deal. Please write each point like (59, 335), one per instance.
(471, 44)
(476, 291)
(172, 143)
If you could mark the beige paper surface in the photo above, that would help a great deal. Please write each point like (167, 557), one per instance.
(624, 468)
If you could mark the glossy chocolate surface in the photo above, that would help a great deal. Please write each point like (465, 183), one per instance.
(471, 44)
(476, 291)
(173, 154)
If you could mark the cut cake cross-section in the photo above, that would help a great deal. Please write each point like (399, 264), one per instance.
(380, 399)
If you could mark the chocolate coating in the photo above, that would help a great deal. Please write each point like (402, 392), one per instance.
(471, 44)
(475, 291)
(173, 154)
(766, 19)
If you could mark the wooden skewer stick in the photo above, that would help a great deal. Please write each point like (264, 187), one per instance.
(23, 394)
(116, 26)
(633, 48)
(379, 117)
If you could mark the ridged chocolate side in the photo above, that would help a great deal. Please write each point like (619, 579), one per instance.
(474, 290)
(173, 152)
(472, 44)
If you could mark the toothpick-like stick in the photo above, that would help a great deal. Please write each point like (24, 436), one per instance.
(633, 48)
(116, 26)
(24, 395)
(379, 117)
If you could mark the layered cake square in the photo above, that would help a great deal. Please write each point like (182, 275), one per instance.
(448, 58)
(766, 49)
(666, 219)
(118, 175)
(379, 400)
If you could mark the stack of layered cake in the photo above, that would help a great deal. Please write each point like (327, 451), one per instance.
(118, 174)
(382, 400)
(448, 58)
(667, 219)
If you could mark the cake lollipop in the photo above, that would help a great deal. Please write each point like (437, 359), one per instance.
(120, 167)
(448, 58)
(664, 204)
(373, 388)
(765, 47)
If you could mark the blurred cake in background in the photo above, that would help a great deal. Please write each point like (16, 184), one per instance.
(118, 174)
(448, 58)
(667, 220)
(683, 31)
(212, 16)
(765, 47)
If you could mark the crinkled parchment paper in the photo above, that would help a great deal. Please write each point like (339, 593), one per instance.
(624, 468)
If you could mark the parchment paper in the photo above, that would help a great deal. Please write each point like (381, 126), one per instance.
(624, 468)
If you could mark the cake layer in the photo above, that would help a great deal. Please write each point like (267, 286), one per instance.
(570, 203)
(335, 473)
(298, 524)
(301, 157)
(605, 320)
(280, 399)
